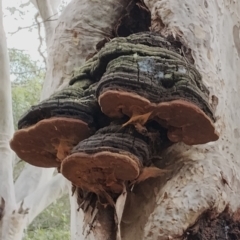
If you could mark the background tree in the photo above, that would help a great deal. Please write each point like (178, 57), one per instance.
(28, 76)
(15, 217)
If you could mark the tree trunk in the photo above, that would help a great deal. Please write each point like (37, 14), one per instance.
(202, 177)
(207, 176)
(32, 178)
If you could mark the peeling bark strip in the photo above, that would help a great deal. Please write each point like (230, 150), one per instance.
(99, 216)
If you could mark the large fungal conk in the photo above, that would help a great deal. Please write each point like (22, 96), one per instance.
(145, 73)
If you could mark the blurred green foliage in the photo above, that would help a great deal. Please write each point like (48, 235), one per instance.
(27, 77)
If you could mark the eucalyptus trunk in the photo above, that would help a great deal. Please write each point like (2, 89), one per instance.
(203, 177)
(200, 178)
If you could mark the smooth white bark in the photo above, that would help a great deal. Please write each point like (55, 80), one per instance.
(33, 177)
(49, 14)
(6, 130)
(31, 205)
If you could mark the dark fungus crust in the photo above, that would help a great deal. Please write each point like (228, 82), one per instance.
(72, 102)
(146, 73)
(143, 44)
(114, 154)
(49, 130)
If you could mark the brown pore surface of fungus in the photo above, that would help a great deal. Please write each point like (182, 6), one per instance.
(185, 121)
(48, 142)
(103, 171)
(103, 162)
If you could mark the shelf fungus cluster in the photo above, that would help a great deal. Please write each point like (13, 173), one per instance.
(135, 97)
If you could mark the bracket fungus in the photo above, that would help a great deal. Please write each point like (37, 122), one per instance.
(160, 81)
(49, 130)
(146, 73)
(114, 154)
(144, 80)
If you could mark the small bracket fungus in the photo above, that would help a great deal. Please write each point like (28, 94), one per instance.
(110, 157)
(49, 130)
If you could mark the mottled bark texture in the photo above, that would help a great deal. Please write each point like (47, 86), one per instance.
(7, 195)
